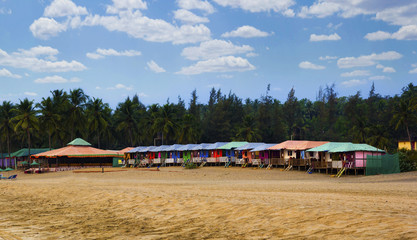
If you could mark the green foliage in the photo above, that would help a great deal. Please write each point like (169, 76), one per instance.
(190, 165)
(408, 160)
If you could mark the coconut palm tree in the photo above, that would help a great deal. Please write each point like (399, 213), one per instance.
(26, 118)
(96, 113)
(248, 130)
(76, 119)
(127, 116)
(49, 118)
(403, 115)
(166, 122)
(6, 124)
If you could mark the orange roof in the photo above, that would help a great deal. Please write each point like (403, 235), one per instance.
(297, 145)
(76, 152)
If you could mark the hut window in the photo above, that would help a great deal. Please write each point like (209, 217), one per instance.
(289, 153)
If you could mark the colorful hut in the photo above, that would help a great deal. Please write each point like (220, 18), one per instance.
(173, 155)
(214, 152)
(76, 154)
(243, 156)
(133, 156)
(260, 154)
(198, 152)
(228, 151)
(160, 154)
(120, 160)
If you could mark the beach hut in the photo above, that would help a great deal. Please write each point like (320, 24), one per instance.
(16, 158)
(292, 153)
(320, 157)
(243, 155)
(228, 151)
(132, 157)
(120, 160)
(160, 154)
(353, 155)
(260, 154)
(173, 155)
(146, 156)
(198, 152)
(214, 153)
(186, 152)
(76, 154)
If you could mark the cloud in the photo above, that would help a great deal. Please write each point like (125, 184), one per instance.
(101, 53)
(196, 4)
(32, 94)
(309, 65)
(356, 73)
(155, 67)
(220, 64)
(328, 58)
(317, 38)
(56, 79)
(142, 94)
(213, 49)
(62, 8)
(186, 16)
(120, 86)
(282, 6)
(379, 78)
(125, 5)
(389, 70)
(353, 82)
(246, 32)
(5, 11)
(44, 28)
(38, 59)
(393, 12)
(367, 60)
(412, 71)
(6, 73)
(408, 32)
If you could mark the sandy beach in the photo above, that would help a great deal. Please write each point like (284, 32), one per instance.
(208, 203)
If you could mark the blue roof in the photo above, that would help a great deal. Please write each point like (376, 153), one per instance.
(200, 146)
(249, 146)
(187, 147)
(136, 149)
(161, 148)
(215, 145)
(173, 147)
(147, 149)
(263, 147)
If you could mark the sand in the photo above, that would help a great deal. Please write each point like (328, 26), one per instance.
(208, 203)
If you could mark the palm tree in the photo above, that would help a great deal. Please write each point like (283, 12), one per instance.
(248, 130)
(126, 115)
(49, 118)
(166, 122)
(61, 105)
(26, 118)
(189, 131)
(97, 122)
(403, 115)
(77, 100)
(6, 125)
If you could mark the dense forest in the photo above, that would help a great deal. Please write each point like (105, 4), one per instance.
(363, 118)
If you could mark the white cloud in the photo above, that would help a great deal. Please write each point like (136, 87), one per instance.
(317, 38)
(62, 8)
(309, 65)
(125, 5)
(281, 6)
(56, 79)
(186, 16)
(6, 73)
(142, 94)
(44, 28)
(389, 70)
(334, 27)
(31, 60)
(356, 73)
(353, 82)
(196, 4)
(393, 12)
(32, 94)
(5, 11)
(408, 32)
(120, 86)
(246, 32)
(101, 53)
(379, 66)
(155, 67)
(412, 71)
(220, 64)
(379, 78)
(328, 58)
(213, 49)
(367, 60)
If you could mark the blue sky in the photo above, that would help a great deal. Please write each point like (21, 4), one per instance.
(161, 49)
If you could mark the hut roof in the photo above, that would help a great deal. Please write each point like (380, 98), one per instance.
(24, 152)
(263, 147)
(200, 146)
(79, 142)
(249, 146)
(232, 145)
(161, 148)
(136, 149)
(76, 152)
(187, 147)
(327, 147)
(216, 145)
(355, 147)
(173, 147)
(297, 145)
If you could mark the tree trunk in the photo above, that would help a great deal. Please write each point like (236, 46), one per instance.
(98, 139)
(49, 138)
(28, 132)
(409, 137)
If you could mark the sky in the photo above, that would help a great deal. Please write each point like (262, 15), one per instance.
(162, 49)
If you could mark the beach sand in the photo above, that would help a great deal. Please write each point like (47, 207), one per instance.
(208, 203)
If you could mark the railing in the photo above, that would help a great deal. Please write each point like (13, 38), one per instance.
(223, 159)
(256, 161)
(169, 160)
(211, 159)
(157, 161)
(278, 161)
(197, 159)
(240, 161)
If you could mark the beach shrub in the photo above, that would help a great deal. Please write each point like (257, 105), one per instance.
(191, 165)
(408, 160)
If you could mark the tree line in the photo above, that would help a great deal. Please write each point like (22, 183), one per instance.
(56, 120)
